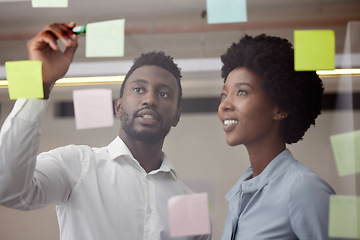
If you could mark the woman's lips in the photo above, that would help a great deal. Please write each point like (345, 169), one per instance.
(229, 124)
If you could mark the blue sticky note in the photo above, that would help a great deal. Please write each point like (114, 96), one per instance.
(226, 11)
(314, 50)
(105, 39)
(49, 3)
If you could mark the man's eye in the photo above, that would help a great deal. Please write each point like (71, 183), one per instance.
(162, 94)
(222, 95)
(137, 89)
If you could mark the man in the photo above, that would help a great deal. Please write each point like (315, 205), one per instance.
(114, 192)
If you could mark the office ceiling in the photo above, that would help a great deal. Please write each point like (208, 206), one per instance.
(177, 27)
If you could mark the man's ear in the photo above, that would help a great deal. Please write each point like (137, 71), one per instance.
(118, 107)
(176, 118)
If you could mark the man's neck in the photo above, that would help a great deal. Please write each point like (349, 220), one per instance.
(149, 155)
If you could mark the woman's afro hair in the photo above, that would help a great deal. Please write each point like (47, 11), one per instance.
(297, 92)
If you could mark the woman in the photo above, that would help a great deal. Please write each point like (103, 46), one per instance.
(265, 105)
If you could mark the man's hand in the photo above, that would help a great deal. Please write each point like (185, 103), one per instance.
(44, 47)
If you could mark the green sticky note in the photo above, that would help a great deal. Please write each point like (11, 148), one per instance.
(314, 50)
(226, 11)
(344, 216)
(105, 39)
(346, 149)
(24, 79)
(49, 3)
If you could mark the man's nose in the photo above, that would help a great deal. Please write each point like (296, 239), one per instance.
(150, 99)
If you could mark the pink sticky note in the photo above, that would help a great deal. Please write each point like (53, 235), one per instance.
(93, 108)
(189, 215)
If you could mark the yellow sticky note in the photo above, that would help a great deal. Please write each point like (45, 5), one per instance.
(346, 149)
(24, 79)
(314, 50)
(344, 216)
(105, 39)
(49, 3)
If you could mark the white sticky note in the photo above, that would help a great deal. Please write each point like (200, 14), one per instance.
(189, 215)
(93, 108)
(49, 3)
(105, 39)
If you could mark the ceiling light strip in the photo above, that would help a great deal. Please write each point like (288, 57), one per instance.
(339, 72)
(78, 81)
(101, 80)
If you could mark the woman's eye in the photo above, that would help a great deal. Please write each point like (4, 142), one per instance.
(242, 92)
(222, 95)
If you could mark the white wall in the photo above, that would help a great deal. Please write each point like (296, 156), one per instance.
(198, 151)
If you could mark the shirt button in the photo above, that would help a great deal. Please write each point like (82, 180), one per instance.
(148, 210)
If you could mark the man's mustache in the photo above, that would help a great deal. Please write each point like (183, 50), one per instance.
(157, 115)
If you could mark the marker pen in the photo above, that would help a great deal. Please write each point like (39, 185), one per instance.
(79, 29)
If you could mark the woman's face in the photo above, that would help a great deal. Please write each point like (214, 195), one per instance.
(246, 112)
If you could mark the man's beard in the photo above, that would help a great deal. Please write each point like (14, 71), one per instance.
(142, 136)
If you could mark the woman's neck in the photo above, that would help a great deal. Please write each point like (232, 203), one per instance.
(260, 157)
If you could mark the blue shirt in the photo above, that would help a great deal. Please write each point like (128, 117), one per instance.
(286, 201)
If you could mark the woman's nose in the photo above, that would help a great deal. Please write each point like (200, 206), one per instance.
(225, 105)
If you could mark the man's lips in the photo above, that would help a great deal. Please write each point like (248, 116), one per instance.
(148, 116)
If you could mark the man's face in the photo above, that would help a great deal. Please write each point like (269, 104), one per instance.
(149, 105)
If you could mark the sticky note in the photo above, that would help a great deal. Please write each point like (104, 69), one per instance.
(226, 11)
(105, 39)
(314, 50)
(49, 3)
(93, 108)
(189, 215)
(344, 216)
(346, 150)
(24, 79)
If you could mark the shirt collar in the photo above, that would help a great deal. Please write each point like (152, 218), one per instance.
(118, 148)
(272, 170)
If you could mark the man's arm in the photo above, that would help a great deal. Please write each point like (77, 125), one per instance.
(43, 47)
(20, 183)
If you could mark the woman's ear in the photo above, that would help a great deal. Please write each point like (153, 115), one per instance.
(280, 115)
(118, 107)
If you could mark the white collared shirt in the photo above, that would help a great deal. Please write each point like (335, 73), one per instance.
(100, 193)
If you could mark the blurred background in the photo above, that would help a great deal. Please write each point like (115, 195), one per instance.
(197, 145)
